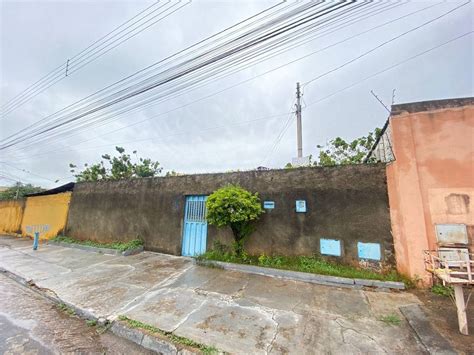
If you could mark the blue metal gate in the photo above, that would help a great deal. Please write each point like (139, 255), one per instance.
(195, 226)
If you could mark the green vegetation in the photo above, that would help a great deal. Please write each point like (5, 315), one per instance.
(237, 208)
(121, 246)
(446, 291)
(120, 167)
(338, 151)
(310, 264)
(66, 309)
(205, 349)
(91, 322)
(391, 319)
(19, 190)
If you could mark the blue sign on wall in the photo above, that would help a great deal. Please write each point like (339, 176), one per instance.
(330, 247)
(269, 205)
(300, 206)
(369, 251)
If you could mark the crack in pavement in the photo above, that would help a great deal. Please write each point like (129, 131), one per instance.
(270, 345)
(344, 328)
(189, 315)
(143, 297)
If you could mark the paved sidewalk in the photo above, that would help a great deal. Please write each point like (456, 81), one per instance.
(238, 313)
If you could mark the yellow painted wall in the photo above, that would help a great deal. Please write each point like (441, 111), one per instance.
(48, 210)
(11, 213)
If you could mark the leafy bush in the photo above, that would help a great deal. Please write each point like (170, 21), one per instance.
(237, 208)
(442, 290)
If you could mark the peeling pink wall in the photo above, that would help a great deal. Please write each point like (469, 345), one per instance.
(431, 181)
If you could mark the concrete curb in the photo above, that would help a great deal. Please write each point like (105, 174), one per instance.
(304, 276)
(97, 249)
(433, 342)
(138, 336)
(148, 341)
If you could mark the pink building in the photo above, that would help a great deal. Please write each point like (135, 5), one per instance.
(429, 148)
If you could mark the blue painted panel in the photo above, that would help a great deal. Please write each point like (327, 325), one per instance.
(269, 205)
(300, 206)
(330, 247)
(195, 226)
(369, 251)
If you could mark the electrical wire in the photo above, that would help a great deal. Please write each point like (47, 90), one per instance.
(137, 90)
(58, 73)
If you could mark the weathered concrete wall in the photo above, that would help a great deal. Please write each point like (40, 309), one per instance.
(432, 179)
(348, 203)
(11, 214)
(50, 210)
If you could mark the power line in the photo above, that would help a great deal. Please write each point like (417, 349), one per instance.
(161, 138)
(26, 171)
(140, 105)
(58, 74)
(391, 67)
(386, 42)
(299, 17)
(288, 121)
(287, 124)
(236, 84)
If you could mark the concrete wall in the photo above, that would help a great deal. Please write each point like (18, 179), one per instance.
(11, 213)
(49, 210)
(348, 203)
(432, 179)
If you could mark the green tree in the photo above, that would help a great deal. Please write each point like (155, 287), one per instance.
(340, 152)
(119, 167)
(237, 208)
(19, 190)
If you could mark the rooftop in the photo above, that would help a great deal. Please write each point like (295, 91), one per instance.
(432, 105)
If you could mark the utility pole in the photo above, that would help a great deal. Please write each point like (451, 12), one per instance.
(299, 135)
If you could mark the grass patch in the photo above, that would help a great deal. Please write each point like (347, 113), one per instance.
(121, 246)
(310, 264)
(66, 309)
(391, 319)
(91, 322)
(441, 290)
(205, 349)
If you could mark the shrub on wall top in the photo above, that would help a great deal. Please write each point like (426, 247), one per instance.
(235, 207)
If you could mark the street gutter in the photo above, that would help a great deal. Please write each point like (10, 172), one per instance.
(138, 336)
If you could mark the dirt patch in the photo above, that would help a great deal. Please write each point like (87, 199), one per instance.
(441, 312)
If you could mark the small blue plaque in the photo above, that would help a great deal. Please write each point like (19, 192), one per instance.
(330, 247)
(370, 251)
(300, 206)
(269, 205)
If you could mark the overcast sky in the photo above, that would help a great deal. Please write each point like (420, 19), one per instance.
(208, 136)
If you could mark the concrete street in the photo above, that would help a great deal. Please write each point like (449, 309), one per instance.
(238, 313)
(30, 324)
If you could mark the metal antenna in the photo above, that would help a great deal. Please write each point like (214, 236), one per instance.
(381, 102)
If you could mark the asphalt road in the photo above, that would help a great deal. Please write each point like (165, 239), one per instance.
(31, 324)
